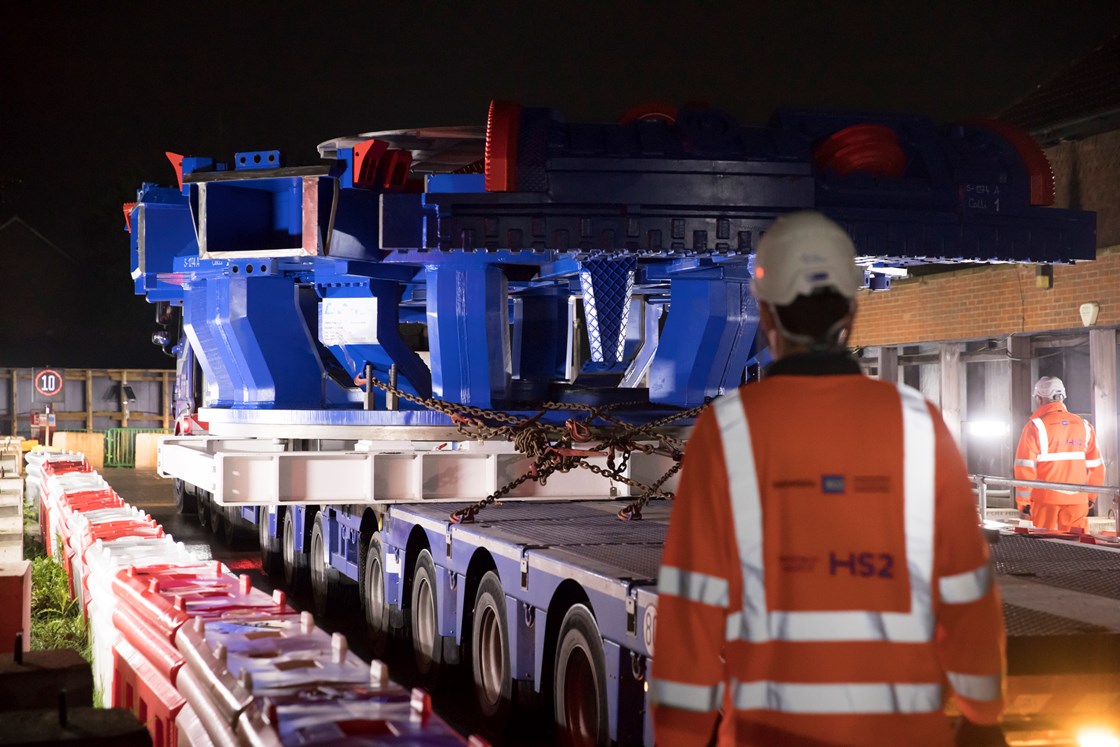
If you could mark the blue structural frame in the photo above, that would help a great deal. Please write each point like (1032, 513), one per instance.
(467, 332)
(294, 279)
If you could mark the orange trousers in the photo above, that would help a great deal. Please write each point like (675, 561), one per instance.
(1059, 516)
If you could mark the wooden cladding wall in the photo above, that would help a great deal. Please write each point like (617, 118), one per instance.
(91, 400)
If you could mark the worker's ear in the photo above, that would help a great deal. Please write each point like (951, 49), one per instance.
(769, 324)
(766, 318)
(849, 320)
(846, 324)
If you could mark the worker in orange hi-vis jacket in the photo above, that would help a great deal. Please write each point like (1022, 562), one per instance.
(824, 579)
(1056, 446)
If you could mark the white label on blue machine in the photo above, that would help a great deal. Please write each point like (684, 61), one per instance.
(348, 321)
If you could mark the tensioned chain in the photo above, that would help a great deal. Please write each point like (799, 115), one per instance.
(552, 447)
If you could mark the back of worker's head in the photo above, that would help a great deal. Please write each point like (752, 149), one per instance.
(805, 271)
(1050, 389)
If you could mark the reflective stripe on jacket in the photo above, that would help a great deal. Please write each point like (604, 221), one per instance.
(824, 577)
(1057, 446)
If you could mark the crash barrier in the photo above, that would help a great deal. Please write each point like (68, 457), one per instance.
(11, 501)
(200, 655)
(11, 451)
(120, 445)
(1102, 529)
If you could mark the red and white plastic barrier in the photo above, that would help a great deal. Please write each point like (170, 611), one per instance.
(197, 653)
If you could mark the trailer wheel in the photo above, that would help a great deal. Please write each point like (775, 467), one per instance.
(185, 500)
(490, 659)
(426, 645)
(373, 596)
(326, 581)
(272, 555)
(204, 510)
(579, 690)
(295, 562)
(229, 532)
(217, 518)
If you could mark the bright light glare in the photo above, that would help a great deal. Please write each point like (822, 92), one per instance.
(894, 272)
(987, 428)
(1097, 738)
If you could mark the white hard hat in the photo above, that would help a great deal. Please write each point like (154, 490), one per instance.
(801, 253)
(1050, 388)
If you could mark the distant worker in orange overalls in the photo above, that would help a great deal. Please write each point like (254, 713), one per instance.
(824, 579)
(1056, 446)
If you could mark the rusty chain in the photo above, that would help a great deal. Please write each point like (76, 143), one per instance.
(552, 448)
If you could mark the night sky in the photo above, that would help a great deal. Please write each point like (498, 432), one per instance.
(93, 93)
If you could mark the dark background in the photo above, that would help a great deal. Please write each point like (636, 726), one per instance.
(91, 95)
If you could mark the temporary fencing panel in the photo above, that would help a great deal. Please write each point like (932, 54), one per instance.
(120, 445)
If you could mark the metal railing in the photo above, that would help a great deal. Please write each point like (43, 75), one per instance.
(983, 481)
(120, 445)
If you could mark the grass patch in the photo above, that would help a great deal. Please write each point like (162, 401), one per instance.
(32, 545)
(56, 618)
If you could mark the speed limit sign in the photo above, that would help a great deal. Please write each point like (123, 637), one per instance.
(48, 384)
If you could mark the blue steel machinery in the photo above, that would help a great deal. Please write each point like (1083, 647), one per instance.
(537, 260)
(274, 266)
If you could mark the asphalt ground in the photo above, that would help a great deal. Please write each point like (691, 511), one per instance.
(452, 692)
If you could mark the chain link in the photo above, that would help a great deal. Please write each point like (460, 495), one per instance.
(553, 448)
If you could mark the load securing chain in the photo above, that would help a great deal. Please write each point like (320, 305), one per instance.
(555, 448)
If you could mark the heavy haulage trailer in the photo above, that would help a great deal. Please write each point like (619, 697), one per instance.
(442, 364)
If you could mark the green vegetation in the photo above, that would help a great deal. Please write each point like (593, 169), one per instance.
(32, 545)
(56, 618)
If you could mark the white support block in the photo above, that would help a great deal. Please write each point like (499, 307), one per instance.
(244, 472)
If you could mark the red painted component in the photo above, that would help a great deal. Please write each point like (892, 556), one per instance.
(652, 110)
(1038, 166)
(421, 703)
(394, 169)
(864, 149)
(177, 164)
(502, 126)
(127, 207)
(189, 425)
(367, 156)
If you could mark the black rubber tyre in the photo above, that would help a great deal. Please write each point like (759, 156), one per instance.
(217, 518)
(272, 556)
(326, 582)
(229, 532)
(579, 691)
(296, 571)
(185, 500)
(491, 666)
(427, 648)
(373, 595)
(204, 510)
